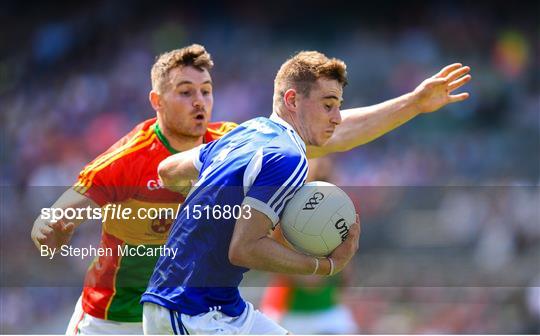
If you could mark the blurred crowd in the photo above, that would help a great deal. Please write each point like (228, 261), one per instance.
(75, 79)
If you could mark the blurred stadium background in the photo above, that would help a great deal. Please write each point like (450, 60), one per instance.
(449, 202)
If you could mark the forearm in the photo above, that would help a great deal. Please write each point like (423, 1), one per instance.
(71, 199)
(364, 124)
(266, 254)
(177, 171)
(252, 248)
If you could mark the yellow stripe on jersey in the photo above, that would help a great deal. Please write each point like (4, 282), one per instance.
(80, 187)
(138, 137)
(224, 128)
(85, 180)
(123, 153)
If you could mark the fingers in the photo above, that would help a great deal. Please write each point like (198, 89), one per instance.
(458, 97)
(457, 73)
(447, 70)
(359, 224)
(53, 233)
(355, 229)
(46, 230)
(437, 81)
(62, 227)
(459, 83)
(43, 235)
(56, 226)
(68, 228)
(354, 234)
(40, 238)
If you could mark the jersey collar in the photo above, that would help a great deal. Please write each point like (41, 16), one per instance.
(277, 119)
(163, 139)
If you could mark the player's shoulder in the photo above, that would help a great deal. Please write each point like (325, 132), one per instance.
(141, 137)
(263, 126)
(288, 144)
(273, 138)
(257, 132)
(221, 126)
(141, 131)
(284, 152)
(216, 130)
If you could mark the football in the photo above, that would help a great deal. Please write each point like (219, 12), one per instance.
(317, 219)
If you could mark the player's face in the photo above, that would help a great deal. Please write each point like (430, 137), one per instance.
(187, 101)
(320, 111)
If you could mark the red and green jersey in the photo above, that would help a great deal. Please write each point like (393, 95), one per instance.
(284, 295)
(126, 176)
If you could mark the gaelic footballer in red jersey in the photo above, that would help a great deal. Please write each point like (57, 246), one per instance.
(115, 282)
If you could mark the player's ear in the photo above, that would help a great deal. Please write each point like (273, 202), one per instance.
(289, 98)
(155, 100)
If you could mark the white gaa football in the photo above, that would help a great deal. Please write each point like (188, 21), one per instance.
(317, 219)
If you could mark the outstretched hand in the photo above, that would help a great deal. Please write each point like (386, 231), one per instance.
(52, 234)
(436, 92)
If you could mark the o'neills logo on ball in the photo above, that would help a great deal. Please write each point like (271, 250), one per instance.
(341, 225)
(314, 201)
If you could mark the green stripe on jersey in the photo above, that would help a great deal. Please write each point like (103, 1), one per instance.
(131, 282)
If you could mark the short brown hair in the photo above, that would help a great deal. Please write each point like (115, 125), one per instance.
(303, 69)
(193, 55)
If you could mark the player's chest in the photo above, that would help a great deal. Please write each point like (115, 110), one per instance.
(146, 184)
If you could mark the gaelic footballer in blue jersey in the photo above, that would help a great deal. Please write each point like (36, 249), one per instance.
(259, 165)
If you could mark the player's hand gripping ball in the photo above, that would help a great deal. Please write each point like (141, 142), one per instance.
(317, 219)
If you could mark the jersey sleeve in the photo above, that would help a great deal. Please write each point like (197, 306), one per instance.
(273, 178)
(202, 154)
(105, 183)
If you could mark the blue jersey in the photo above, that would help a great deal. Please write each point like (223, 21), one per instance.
(259, 165)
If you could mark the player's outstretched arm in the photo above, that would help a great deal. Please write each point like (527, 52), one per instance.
(55, 232)
(364, 124)
(177, 171)
(252, 248)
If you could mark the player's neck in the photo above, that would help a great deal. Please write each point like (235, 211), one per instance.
(294, 122)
